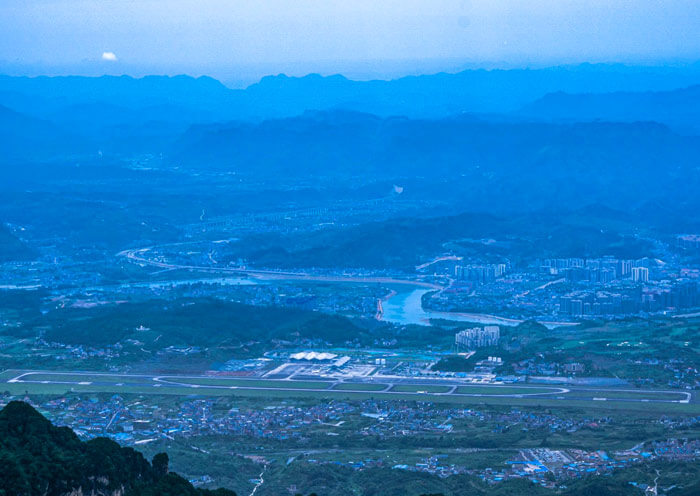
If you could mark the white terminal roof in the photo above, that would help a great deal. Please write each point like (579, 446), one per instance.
(312, 355)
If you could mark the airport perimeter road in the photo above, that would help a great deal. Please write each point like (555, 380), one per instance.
(52, 382)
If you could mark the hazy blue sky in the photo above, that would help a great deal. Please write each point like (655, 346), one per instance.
(242, 39)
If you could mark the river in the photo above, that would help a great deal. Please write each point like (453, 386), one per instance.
(406, 307)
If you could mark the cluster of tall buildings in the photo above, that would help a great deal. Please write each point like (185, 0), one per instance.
(688, 241)
(599, 303)
(640, 274)
(682, 295)
(598, 270)
(480, 273)
(477, 337)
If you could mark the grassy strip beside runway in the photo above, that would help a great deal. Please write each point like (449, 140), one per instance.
(420, 388)
(91, 377)
(497, 390)
(626, 394)
(359, 386)
(243, 383)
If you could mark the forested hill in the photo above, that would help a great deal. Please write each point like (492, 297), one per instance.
(38, 458)
(11, 248)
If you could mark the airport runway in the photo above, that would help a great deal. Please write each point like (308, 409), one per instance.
(411, 387)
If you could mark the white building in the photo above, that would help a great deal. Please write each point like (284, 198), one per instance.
(312, 356)
(640, 274)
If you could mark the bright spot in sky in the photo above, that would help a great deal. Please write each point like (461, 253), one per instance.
(110, 56)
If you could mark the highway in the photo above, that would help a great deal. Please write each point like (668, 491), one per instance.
(137, 256)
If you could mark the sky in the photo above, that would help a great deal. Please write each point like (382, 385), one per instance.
(242, 40)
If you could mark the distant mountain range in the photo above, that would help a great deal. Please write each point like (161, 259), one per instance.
(484, 165)
(678, 108)
(25, 137)
(480, 164)
(47, 117)
(183, 98)
(471, 91)
(39, 458)
(501, 140)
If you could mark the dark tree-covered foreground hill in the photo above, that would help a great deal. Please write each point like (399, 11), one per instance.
(37, 458)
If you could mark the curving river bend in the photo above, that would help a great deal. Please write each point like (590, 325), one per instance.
(407, 308)
(403, 307)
